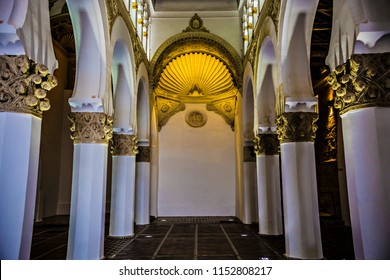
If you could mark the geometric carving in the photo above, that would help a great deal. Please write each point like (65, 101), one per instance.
(124, 145)
(297, 127)
(363, 81)
(266, 144)
(24, 85)
(90, 127)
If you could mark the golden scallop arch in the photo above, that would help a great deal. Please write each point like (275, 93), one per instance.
(196, 67)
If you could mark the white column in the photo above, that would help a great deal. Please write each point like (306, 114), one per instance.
(20, 136)
(90, 132)
(362, 96)
(300, 199)
(24, 87)
(367, 154)
(123, 186)
(268, 185)
(142, 201)
(250, 188)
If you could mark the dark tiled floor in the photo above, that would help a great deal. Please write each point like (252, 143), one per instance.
(188, 238)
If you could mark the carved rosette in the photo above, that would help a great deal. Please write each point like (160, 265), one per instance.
(90, 127)
(363, 81)
(24, 85)
(266, 144)
(297, 127)
(124, 145)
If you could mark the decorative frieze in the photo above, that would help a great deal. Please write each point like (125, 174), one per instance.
(124, 145)
(24, 85)
(90, 127)
(297, 127)
(363, 81)
(144, 154)
(266, 144)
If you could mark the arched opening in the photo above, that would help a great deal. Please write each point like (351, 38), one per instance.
(195, 91)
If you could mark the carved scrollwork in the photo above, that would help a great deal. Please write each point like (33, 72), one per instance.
(112, 12)
(266, 144)
(363, 81)
(124, 145)
(90, 127)
(24, 85)
(297, 127)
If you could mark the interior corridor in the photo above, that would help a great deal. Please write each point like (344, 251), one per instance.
(189, 238)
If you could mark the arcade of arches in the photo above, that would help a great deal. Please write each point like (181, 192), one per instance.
(120, 112)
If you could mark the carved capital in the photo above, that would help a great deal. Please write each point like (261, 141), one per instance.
(144, 154)
(124, 145)
(297, 127)
(266, 144)
(24, 85)
(363, 81)
(90, 127)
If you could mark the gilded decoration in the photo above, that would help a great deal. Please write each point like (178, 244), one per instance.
(124, 145)
(196, 67)
(144, 154)
(90, 127)
(112, 12)
(363, 81)
(297, 127)
(196, 119)
(273, 8)
(24, 85)
(225, 108)
(266, 144)
(196, 25)
(166, 109)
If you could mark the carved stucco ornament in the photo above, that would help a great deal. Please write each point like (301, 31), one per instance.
(124, 145)
(196, 25)
(24, 85)
(266, 144)
(90, 127)
(363, 81)
(112, 12)
(297, 127)
(226, 108)
(166, 109)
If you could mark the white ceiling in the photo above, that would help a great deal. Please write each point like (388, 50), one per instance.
(195, 5)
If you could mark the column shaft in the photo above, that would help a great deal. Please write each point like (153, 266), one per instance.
(142, 201)
(19, 157)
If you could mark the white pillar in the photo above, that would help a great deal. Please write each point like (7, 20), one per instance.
(142, 201)
(362, 97)
(90, 132)
(123, 186)
(20, 136)
(367, 155)
(268, 185)
(24, 87)
(300, 199)
(250, 188)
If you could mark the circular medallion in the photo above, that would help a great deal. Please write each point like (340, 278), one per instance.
(196, 119)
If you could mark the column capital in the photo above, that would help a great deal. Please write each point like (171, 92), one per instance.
(363, 81)
(266, 144)
(297, 127)
(90, 127)
(24, 85)
(124, 145)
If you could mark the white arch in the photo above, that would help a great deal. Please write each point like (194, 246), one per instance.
(265, 86)
(123, 76)
(90, 26)
(142, 118)
(297, 19)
